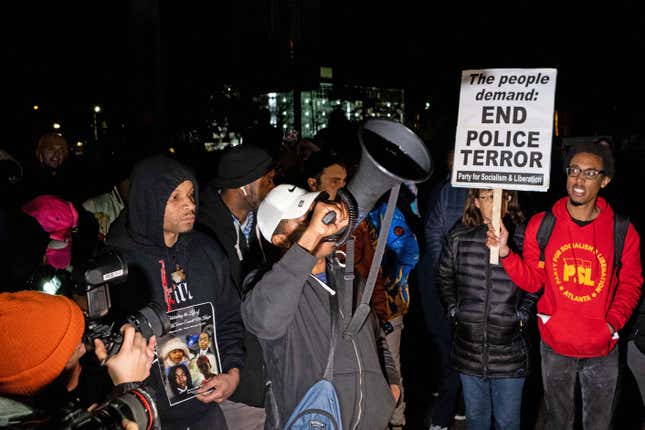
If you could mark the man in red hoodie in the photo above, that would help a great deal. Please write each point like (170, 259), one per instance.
(584, 304)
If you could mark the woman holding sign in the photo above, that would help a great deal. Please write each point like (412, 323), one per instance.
(489, 313)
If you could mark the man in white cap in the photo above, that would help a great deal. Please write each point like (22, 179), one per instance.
(288, 308)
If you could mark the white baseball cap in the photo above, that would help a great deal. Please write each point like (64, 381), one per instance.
(283, 202)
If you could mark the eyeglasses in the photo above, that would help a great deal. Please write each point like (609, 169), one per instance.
(574, 172)
(489, 197)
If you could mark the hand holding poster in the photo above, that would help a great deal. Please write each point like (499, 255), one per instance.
(188, 355)
(504, 129)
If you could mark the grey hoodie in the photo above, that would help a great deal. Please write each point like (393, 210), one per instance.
(289, 312)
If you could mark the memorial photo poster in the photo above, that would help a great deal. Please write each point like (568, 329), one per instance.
(188, 354)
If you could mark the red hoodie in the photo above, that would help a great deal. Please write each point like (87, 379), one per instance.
(581, 292)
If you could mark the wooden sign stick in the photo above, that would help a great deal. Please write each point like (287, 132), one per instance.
(497, 210)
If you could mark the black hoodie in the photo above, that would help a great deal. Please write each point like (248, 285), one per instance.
(138, 235)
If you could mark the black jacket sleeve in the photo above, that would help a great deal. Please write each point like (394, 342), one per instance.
(446, 274)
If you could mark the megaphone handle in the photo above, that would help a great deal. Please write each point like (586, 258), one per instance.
(329, 218)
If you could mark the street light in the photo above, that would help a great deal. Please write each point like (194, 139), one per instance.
(56, 126)
(97, 109)
(36, 107)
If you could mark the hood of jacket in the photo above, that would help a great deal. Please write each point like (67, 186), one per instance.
(560, 211)
(151, 183)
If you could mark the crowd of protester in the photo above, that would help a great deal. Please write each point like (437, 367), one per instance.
(235, 254)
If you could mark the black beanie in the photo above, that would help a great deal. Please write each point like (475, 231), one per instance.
(241, 165)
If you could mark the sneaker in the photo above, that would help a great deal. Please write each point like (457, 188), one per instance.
(434, 427)
(460, 417)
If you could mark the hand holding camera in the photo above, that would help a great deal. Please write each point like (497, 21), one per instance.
(133, 361)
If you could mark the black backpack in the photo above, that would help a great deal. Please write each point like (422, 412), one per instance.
(621, 224)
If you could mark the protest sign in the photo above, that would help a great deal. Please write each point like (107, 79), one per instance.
(504, 131)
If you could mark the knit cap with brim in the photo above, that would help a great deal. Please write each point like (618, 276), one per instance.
(40, 332)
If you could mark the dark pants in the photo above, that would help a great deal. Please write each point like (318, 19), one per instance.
(212, 419)
(440, 330)
(598, 378)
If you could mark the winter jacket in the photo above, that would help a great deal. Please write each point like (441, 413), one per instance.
(399, 259)
(216, 220)
(489, 311)
(190, 274)
(289, 311)
(581, 292)
(446, 208)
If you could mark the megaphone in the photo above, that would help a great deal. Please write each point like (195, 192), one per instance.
(391, 154)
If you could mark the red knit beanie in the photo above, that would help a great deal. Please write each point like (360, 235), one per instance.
(38, 335)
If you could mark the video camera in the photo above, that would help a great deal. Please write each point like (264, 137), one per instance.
(93, 280)
(136, 405)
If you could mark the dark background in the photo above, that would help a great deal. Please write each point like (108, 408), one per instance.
(152, 65)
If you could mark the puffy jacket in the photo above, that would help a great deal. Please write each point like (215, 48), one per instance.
(489, 311)
(399, 259)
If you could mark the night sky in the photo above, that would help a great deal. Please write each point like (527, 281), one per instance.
(148, 56)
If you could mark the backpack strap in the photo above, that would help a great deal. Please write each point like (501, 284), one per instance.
(333, 314)
(544, 234)
(621, 225)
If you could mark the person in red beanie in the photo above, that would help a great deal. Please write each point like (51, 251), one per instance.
(42, 343)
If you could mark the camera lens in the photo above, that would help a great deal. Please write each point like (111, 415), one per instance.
(136, 405)
(151, 320)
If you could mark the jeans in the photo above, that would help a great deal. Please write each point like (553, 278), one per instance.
(501, 397)
(598, 378)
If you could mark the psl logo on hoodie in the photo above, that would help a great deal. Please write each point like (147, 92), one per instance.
(580, 271)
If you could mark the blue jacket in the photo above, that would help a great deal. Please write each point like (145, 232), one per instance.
(399, 259)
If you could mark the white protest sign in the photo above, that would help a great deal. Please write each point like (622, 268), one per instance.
(504, 129)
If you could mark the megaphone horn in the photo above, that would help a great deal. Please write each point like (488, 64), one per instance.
(391, 154)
